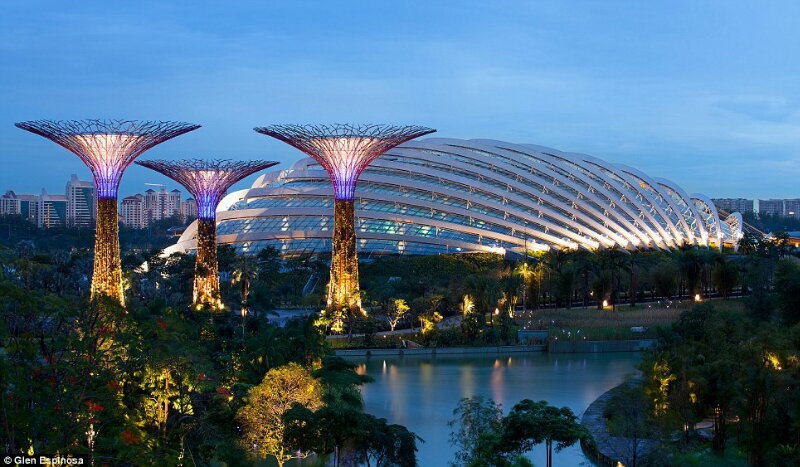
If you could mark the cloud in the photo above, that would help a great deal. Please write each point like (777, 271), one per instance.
(770, 109)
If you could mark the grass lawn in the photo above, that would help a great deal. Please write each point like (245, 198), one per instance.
(594, 324)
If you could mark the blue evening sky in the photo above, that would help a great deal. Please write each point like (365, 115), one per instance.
(705, 93)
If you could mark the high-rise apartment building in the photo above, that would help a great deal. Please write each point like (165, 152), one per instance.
(734, 204)
(12, 204)
(772, 207)
(188, 209)
(780, 207)
(161, 204)
(81, 202)
(132, 212)
(791, 208)
(44, 210)
(51, 210)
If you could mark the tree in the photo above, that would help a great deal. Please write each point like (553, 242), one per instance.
(525, 271)
(385, 444)
(781, 242)
(614, 261)
(530, 423)
(585, 263)
(747, 244)
(664, 278)
(398, 309)
(787, 290)
(431, 316)
(724, 276)
(474, 417)
(630, 417)
(261, 419)
(245, 272)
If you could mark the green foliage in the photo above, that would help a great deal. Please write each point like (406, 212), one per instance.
(484, 437)
(341, 428)
(474, 417)
(736, 371)
(261, 418)
(787, 289)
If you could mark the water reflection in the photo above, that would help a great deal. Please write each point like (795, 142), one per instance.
(421, 391)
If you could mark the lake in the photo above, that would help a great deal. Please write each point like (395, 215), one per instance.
(421, 392)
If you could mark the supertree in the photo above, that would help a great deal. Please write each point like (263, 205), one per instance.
(107, 147)
(344, 151)
(207, 181)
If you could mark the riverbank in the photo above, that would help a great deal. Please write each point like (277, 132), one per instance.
(605, 449)
(432, 351)
(551, 347)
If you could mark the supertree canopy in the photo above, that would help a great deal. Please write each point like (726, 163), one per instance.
(344, 151)
(107, 147)
(207, 181)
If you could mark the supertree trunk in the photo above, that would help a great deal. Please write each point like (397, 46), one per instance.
(343, 291)
(107, 147)
(107, 271)
(207, 181)
(344, 151)
(206, 271)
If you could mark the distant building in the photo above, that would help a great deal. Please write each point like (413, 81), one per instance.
(172, 203)
(772, 207)
(161, 204)
(792, 208)
(140, 210)
(132, 212)
(188, 209)
(44, 210)
(10, 204)
(780, 207)
(733, 204)
(51, 210)
(81, 202)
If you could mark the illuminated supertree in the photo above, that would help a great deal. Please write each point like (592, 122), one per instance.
(207, 181)
(107, 147)
(344, 151)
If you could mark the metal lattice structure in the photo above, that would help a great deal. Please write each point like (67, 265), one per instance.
(344, 151)
(107, 147)
(207, 181)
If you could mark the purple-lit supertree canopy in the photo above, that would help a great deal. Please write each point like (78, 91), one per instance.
(207, 181)
(344, 151)
(107, 147)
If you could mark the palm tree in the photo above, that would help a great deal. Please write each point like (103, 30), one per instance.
(525, 271)
(245, 272)
(636, 260)
(747, 244)
(613, 261)
(782, 243)
(585, 263)
(690, 266)
(467, 306)
(559, 261)
(510, 287)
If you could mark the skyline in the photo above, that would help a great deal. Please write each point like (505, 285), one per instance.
(678, 90)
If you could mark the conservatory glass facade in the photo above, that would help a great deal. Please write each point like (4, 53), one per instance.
(440, 195)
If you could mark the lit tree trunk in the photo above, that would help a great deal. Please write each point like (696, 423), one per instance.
(206, 273)
(107, 273)
(343, 291)
(549, 452)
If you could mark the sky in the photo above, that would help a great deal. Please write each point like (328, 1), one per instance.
(703, 93)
